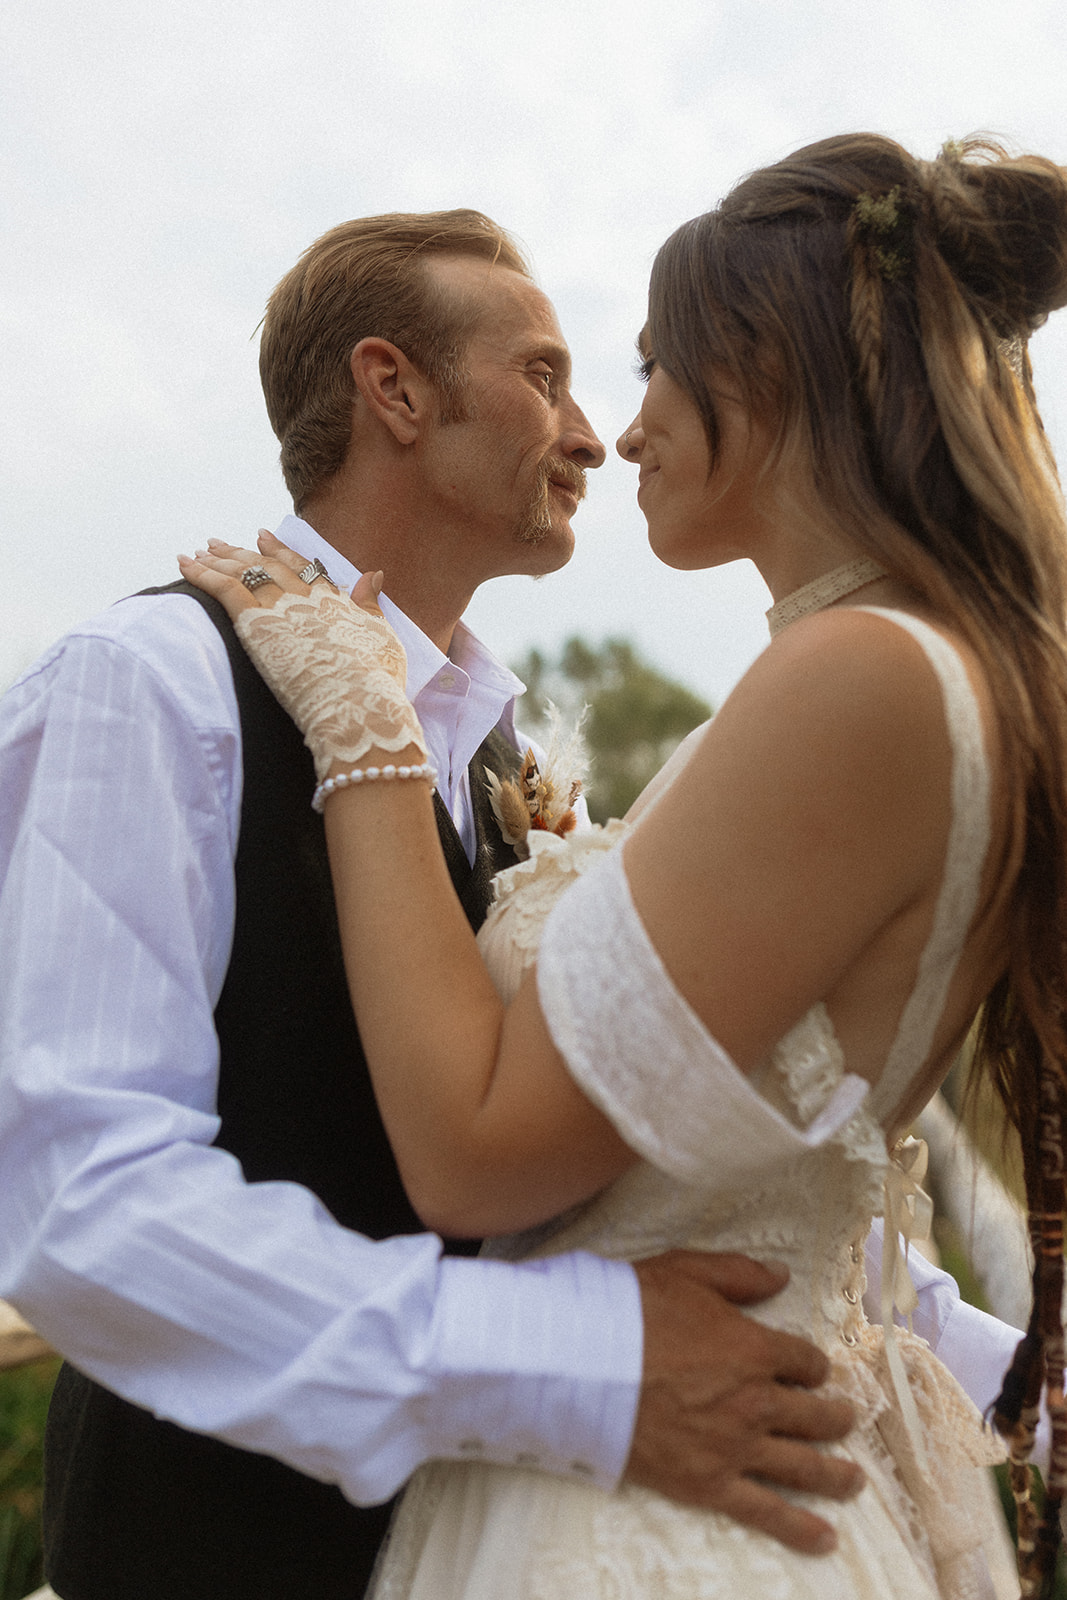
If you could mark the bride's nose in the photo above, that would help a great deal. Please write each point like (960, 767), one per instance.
(629, 443)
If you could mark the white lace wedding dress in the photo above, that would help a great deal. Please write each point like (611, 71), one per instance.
(790, 1166)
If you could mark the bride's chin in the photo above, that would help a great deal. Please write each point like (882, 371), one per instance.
(687, 558)
(686, 550)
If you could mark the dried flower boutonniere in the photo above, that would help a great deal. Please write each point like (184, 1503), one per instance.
(537, 798)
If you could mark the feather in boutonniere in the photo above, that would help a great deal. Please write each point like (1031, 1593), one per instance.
(537, 797)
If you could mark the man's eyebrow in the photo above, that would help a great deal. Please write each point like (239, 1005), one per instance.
(557, 356)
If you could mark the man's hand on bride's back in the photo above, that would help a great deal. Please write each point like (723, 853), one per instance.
(725, 1414)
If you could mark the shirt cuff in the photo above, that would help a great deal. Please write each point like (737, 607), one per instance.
(938, 1292)
(976, 1348)
(537, 1364)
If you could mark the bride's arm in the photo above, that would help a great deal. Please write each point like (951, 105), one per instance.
(813, 811)
(483, 1145)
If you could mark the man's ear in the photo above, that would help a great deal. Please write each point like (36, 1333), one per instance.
(394, 391)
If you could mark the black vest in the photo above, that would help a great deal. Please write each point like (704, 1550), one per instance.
(137, 1509)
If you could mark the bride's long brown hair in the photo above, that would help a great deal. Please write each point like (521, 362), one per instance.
(877, 307)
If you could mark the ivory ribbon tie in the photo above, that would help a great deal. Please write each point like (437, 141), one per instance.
(908, 1211)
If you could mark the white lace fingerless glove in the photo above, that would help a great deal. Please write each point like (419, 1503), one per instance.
(337, 670)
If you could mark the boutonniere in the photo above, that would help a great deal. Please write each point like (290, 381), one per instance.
(538, 798)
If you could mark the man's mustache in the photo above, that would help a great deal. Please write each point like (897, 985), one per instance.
(568, 473)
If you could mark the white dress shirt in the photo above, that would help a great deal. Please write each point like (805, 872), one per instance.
(127, 1239)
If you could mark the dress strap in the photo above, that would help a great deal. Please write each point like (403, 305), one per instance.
(968, 842)
(906, 1207)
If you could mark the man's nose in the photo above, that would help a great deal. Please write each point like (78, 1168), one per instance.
(628, 444)
(579, 443)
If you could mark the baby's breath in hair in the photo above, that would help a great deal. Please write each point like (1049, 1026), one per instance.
(881, 222)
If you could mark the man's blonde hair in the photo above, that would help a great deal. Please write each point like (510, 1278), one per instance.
(366, 279)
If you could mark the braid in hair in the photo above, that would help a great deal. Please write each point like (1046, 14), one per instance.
(866, 311)
(1047, 1239)
(1039, 1359)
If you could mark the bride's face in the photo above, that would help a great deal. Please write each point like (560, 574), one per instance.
(698, 515)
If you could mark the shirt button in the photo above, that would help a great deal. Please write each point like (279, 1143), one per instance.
(447, 680)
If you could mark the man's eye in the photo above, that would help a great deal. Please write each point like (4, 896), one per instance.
(547, 377)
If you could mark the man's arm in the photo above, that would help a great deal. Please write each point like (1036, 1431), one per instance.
(132, 1243)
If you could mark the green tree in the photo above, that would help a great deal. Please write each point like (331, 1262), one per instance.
(636, 716)
(24, 1396)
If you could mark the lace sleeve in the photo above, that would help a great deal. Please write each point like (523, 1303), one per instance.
(640, 1052)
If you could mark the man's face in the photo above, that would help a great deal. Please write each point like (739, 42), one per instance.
(513, 469)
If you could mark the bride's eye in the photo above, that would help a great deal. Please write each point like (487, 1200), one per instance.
(645, 368)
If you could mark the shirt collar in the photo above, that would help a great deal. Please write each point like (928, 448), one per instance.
(468, 656)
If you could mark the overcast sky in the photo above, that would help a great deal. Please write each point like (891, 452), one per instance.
(162, 167)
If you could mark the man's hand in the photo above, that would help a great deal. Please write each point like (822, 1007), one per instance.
(723, 1412)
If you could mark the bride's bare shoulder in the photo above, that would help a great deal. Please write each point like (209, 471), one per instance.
(849, 669)
(842, 717)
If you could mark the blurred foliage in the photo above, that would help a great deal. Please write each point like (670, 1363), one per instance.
(981, 1111)
(952, 1250)
(24, 1396)
(636, 716)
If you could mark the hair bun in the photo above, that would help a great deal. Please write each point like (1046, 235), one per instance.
(1001, 225)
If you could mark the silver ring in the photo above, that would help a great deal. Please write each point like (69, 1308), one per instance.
(313, 570)
(252, 577)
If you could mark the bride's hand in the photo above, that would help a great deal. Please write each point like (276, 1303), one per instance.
(333, 661)
(218, 571)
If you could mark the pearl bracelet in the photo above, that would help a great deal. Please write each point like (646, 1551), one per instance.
(368, 775)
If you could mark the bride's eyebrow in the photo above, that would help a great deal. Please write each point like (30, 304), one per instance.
(643, 343)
